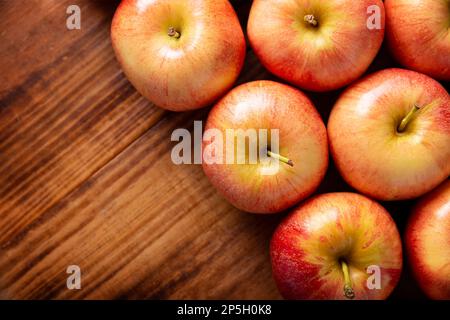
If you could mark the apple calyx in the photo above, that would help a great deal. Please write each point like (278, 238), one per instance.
(311, 20)
(280, 157)
(173, 33)
(348, 290)
(407, 118)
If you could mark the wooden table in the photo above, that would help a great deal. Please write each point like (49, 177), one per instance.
(86, 177)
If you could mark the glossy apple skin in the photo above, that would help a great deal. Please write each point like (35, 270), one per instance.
(418, 34)
(307, 246)
(185, 73)
(318, 59)
(369, 152)
(302, 138)
(427, 242)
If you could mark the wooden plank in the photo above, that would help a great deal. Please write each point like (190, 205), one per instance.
(66, 109)
(135, 230)
(139, 232)
(86, 176)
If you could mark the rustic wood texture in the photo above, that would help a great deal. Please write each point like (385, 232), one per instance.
(86, 176)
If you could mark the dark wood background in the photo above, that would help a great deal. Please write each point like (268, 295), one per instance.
(86, 176)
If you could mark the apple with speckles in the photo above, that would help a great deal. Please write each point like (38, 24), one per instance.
(418, 34)
(389, 134)
(179, 54)
(427, 242)
(292, 171)
(316, 45)
(337, 246)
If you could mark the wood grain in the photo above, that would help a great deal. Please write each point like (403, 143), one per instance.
(86, 176)
(138, 232)
(66, 118)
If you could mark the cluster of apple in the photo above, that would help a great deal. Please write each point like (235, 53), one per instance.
(388, 133)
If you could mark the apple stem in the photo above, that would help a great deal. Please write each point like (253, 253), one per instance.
(311, 20)
(281, 158)
(173, 33)
(408, 118)
(348, 290)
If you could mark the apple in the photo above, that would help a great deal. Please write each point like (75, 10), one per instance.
(337, 246)
(179, 54)
(427, 242)
(389, 134)
(300, 160)
(418, 34)
(316, 45)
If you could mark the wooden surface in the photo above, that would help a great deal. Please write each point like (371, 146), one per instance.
(86, 177)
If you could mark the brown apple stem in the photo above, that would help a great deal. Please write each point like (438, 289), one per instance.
(408, 118)
(309, 18)
(348, 290)
(281, 158)
(173, 33)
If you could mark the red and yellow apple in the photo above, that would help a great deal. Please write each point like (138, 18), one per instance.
(390, 134)
(328, 246)
(302, 157)
(418, 33)
(428, 242)
(316, 45)
(180, 54)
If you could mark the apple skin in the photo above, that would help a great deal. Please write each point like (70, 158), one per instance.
(369, 152)
(302, 138)
(333, 54)
(307, 246)
(418, 34)
(183, 73)
(427, 241)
